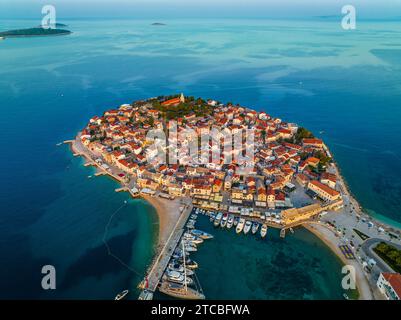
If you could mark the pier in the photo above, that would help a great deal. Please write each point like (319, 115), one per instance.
(159, 264)
(121, 189)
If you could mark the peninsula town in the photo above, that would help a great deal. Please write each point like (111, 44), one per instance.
(293, 180)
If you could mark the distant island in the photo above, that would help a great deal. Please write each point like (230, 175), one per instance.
(158, 24)
(33, 32)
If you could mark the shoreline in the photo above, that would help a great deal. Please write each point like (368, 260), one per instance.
(167, 211)
(331, 241)
(358, 208)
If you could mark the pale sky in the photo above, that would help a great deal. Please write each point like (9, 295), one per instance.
(199, 8)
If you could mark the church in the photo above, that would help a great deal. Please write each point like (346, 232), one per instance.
(174, 101)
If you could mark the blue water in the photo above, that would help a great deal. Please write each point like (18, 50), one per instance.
(346, 84)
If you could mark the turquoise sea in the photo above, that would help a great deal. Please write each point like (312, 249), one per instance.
(343, 85)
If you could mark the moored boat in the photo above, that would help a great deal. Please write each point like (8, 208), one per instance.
(217, 219)
(121, 295)
(188, 236)
(255, 227)
(230, 221)
(178, 254)
(224, 220)
(247, 226)
(174, 266)
(190, 247)
(189, 264)
(201, 234)
(240, 225)
(196, 240)
(212, 216)
(263, 231)
(178, 277)
(236, 219)
(180, 291)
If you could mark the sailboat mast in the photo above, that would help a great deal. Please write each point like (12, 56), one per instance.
(185, 269)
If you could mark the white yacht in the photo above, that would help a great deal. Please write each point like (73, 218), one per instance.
(179, 268)
(247, 226)
(177, 277)
(230, 221)
(263, 230)
(236, 219)
(190, 247)
(255, 227)
(212, 216)
(217, 219)
(224, 220)
(240, 225)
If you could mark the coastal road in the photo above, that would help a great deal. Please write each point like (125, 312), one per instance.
(368, 246)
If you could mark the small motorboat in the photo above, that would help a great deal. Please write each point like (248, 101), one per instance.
(173, 266)
(218, 219)
(190, 264)
(236, 219)
(201, 234)
(178, 254)
(255, 227)
(196, 240)
(188, 236)
(121, 295)
(190, 247)
(247, 226)
(177, 277)
(212, 216)
(224, 220)
(240, 225)
(230, 221)
(263, 231)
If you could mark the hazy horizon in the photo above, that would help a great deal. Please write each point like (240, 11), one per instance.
(157, 9)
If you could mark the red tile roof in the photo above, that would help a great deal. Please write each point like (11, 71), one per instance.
(171, 102)
(395, 281)
(325, 188)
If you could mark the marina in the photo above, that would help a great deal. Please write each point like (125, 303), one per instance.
(173, 272)
(241, 224)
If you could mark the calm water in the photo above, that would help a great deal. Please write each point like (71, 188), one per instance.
(345, 84)
(238, 266)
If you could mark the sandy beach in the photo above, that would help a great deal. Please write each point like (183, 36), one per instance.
(329, 238)
(168, 212)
